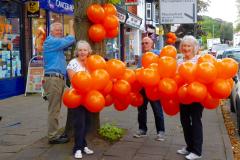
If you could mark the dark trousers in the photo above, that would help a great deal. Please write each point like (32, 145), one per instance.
(190, 116)
(157, 111)
(80, 121)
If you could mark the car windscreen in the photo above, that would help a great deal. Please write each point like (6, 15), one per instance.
(232, 54)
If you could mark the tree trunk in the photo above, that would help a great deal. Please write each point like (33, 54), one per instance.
(81, 26)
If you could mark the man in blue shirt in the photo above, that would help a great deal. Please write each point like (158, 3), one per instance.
(55, 75)
(147, 46)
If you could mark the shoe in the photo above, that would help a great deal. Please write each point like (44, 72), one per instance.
(160, 136)
(88, 151)
(140, 134)
(78, 154)
(183, 151)
(59, 140)
(193, 156)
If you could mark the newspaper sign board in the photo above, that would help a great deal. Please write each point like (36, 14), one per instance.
(178, 11)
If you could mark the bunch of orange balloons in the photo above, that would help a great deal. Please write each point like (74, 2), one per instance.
(105, 21)
(105, 84)
(206, 82)
(171, 38)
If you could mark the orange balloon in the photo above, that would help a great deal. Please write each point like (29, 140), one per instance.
(179, 80)
(100, 79)
(207, 58)
(136, 99)
(183, 96)
(108, 100)
(152, 93)
(206, 72)
(129, 75)
(171, 35)
(71, 98)
(108, 88)
(95, 62)
(112, 33)
(187, 70)
(96, 33)
(149, 58)
(136, 86)
(110, 9)
(121, 88)
(170, 41)
(220, 89)
(231, 82)
(120, 104)
(167, 66)
(82, 81)
(94, 101)
(110, 22)
(167, 87)
(197, 91)
(169, 50)
(95, 13)
(210, 103)
(138, 74)
(154, 66)
(115, 68)
(227, 68)
(149, 77)
(170, 107)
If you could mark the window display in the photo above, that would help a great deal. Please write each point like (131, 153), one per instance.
(10, 59)
(39, 33)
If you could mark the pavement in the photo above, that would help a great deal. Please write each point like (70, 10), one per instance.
(23, 131)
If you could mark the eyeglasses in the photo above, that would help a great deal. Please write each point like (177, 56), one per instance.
(144, 43)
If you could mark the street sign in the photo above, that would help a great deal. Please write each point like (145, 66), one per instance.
(178, 11)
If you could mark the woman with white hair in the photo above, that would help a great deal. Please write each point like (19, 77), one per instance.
(191, 114)
(80, 114)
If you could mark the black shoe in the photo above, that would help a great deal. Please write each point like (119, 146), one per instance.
(59, 140)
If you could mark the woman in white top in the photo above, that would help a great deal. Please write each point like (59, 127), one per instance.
(80, 114)
(191, 114)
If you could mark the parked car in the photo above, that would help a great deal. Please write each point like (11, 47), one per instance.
(235, 95)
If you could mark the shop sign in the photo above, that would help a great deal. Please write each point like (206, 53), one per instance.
(33, 10)
(121, 16)
(58, 6)
(131, 2)
(134, 21)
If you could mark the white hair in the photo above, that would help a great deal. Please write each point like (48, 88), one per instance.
(53, 25)
(80, 44)
(192, 40)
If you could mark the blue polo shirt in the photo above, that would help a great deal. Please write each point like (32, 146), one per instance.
(157, 52)
(53, 54)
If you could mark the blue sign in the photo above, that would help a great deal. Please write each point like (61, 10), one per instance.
(58, 6)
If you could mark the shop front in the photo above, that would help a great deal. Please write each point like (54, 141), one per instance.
(11, 49)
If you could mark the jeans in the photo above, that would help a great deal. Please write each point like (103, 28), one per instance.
(190, 116)
(157, 111)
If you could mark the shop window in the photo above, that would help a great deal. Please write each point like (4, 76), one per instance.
(39, 33)
(112, 49)
(10, 57)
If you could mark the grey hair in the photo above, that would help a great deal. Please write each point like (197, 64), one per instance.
(192, 40)
(53, 25)
(81, 43)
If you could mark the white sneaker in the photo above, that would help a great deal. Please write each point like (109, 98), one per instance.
(160, 136)
(78, 154)
(88, 151)
(140, 133)
(193, 156)
(183, 151)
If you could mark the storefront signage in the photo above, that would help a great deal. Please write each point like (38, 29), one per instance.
(122, 17)
(134, 20)
(131, 2)
(33, 10)
(59, 6)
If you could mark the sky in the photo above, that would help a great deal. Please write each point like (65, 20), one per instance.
(223, 9)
